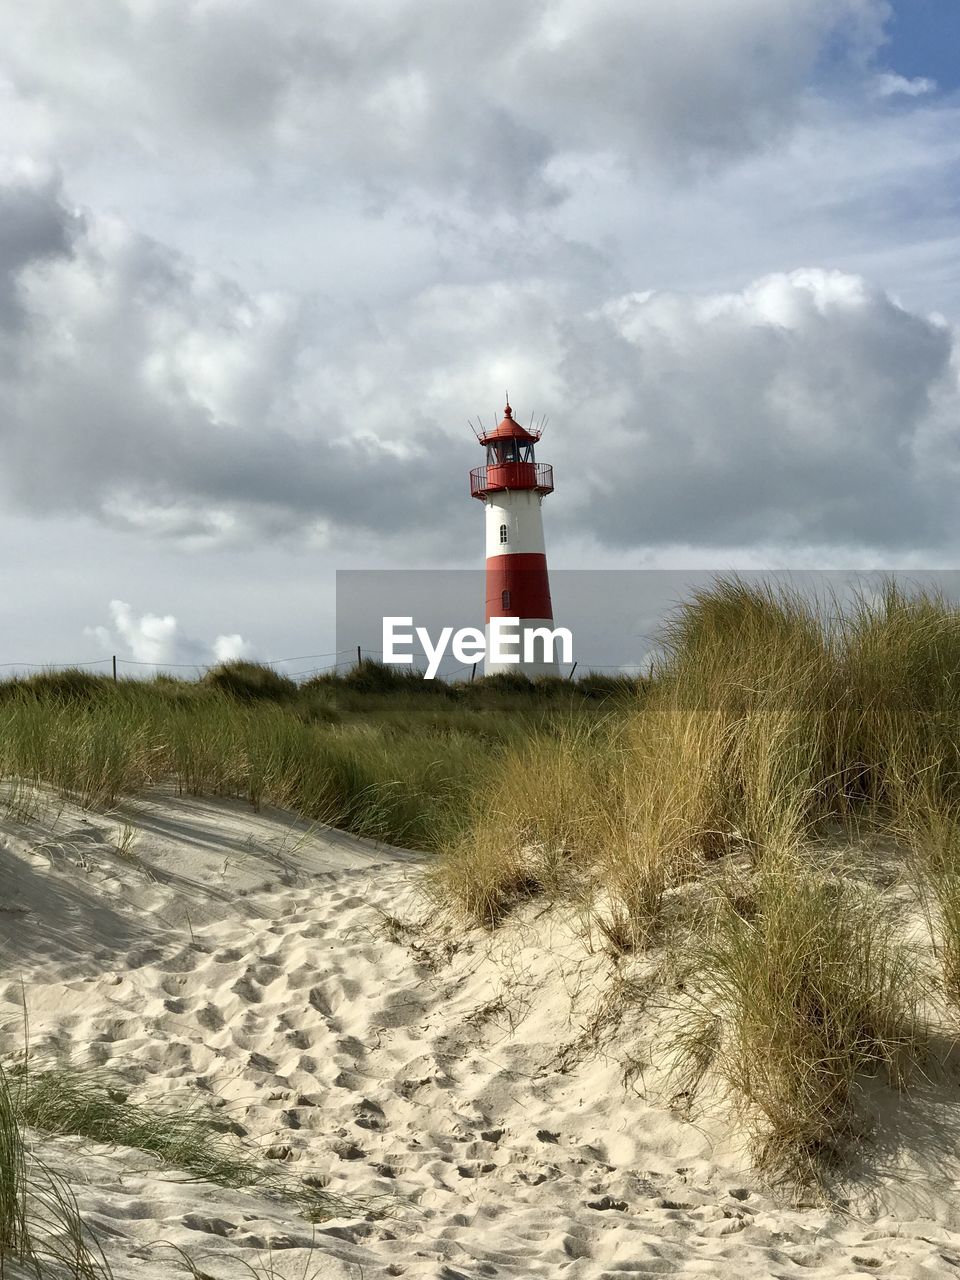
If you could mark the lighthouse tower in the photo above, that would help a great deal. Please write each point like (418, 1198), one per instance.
(512, 487)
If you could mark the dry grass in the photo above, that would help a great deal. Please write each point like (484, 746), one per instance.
(803, 986)
(772, 717)
(931, 830)
(529, 827)
(770, 712)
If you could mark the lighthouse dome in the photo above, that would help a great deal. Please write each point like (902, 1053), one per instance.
(508, 429)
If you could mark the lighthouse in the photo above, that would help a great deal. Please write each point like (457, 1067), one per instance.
(512, 486)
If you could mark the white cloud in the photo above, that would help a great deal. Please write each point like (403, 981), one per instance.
(167, 400)
(157, 640)
(149, 638)
(890, 85)
(231, 648)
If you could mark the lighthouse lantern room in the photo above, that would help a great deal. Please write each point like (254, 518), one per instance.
(512, 486)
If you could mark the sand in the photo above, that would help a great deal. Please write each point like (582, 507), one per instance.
(458, 1089)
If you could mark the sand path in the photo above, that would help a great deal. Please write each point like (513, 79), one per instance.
(291, 978)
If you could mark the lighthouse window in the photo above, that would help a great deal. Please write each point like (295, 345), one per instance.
(504, 452)
(503, 535)
(505, 599)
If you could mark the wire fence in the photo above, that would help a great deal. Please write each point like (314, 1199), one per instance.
(335, 660)
(344, 660)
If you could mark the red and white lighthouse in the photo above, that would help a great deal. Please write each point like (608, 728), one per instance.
(512, 487)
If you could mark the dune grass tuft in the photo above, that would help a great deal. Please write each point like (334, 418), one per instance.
(529, 823)
(250, 681)
(931, 829)
(804, 986)
(67, 1100)
(769, 712)
(40, 1224)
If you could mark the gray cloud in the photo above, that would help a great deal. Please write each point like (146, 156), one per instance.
(155, 396)
(808, 409)
(35, 226)
(482, 98)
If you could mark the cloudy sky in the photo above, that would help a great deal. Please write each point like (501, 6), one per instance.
(259, 263)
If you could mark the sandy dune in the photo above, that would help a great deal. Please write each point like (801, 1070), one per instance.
(294, 979)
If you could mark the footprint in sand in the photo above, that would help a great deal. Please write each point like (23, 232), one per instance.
(247, 989)
(369, 1116)
(260, 1062)
(212, 1226)
(210, 1018)
(301, 977)
(400, 1010)
(185, 961)
(348, 1150)
(264, 974)
(325, 1002)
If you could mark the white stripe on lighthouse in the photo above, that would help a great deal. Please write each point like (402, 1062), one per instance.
(519, 511)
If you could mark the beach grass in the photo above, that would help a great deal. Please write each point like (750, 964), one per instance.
(770, 714)
(88, 1103)
(803, 987)
(380, 753)
(41, 1230)
(779, 729)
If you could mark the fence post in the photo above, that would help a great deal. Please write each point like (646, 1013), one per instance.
(572, 669)
(114, 666)
(473, 672)
(359, 659)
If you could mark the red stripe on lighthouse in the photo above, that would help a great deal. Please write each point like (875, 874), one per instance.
(518, 586)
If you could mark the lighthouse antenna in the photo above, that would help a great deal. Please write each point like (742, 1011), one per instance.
(473, 428)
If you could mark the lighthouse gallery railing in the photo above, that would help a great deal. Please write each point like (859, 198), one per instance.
(511, 475)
